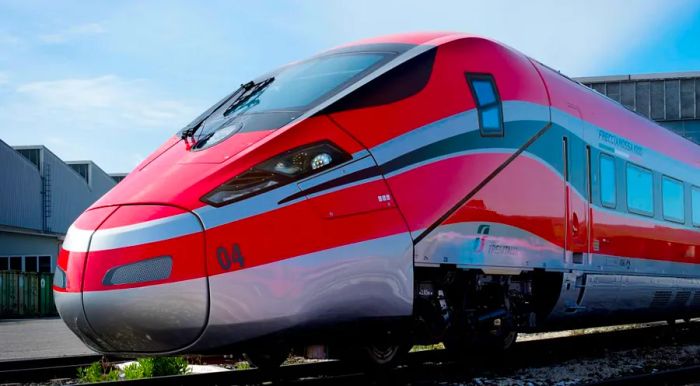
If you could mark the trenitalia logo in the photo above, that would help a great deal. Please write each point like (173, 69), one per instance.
(480, 242)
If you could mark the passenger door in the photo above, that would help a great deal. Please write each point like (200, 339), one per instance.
(577, 175)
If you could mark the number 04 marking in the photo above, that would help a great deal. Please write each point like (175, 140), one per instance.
(227, 259)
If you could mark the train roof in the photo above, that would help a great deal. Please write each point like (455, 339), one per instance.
(599, 109)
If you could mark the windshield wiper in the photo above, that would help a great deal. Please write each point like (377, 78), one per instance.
(244, 93)
(192, 128)
(189, 130)
(251, 88)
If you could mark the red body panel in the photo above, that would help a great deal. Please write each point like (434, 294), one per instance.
(127, 216)
(174, 178)
(536, 206)
(621, 235)
(297, 230)
(185, 251)
(424, 193)
(73, 263)
(447, 92)
(368, 197)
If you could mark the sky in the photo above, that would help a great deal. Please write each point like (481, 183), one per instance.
(111, 81)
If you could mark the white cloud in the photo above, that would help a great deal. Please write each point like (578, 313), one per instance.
(9, 40)
(83, 30)
(108, 119)
(104, 101)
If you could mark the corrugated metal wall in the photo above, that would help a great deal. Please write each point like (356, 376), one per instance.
(101, 181)
(672, 100)
(70, 193)
(20, 190)
(47, 197)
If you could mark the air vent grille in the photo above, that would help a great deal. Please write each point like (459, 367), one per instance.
(157, 268)
(661, 299)
(681, 298)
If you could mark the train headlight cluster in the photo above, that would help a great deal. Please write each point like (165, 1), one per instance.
(280, 170)
(321, 160)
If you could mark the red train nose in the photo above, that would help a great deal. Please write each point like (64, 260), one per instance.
(142, 279)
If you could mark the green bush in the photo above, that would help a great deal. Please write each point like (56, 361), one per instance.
(134, 371)
(98, 372)
(242, 365)
(160, 366)
(438, 346)
(142, 368)
(146, 366)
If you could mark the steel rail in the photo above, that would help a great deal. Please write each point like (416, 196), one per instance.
(26, 370)
(419, 368)
(678, 376)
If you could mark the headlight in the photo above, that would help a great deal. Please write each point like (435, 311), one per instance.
(277, 171)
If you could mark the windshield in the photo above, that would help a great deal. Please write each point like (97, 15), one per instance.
(302, 84)
(282, 96)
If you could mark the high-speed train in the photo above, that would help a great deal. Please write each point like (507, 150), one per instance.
(405, 189)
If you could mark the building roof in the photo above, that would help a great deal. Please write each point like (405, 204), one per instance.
(42, 193)
(633, 77)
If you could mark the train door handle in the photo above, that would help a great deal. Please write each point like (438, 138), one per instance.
(574, 224)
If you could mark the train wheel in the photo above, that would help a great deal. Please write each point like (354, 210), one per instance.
(383, 354)
(375, 355)
(267, 360)
(503, 342)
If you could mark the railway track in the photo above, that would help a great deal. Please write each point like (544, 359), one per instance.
(29, 370)
(680, 376)
(421, 368)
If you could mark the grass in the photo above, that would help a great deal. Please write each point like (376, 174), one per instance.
(438, 346)
(142, 368)
(242, 365)
(98, 372)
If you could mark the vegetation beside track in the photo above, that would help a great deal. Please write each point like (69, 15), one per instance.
(142, 368)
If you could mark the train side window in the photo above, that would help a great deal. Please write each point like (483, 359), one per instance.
(640, 190)
(15, 263)
(695, 204)
(673, 199)
(4, 263)
(608, 188)
(488, 104)
(44, 263)
(30, 264)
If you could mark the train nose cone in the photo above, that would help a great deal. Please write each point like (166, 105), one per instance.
(144, 284)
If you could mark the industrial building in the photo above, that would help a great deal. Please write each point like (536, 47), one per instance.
(671, 99)
(40, 197)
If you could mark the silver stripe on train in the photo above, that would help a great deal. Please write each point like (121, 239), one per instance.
(79, 240)
(372, 278)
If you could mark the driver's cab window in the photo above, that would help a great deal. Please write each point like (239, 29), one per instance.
(488, 104)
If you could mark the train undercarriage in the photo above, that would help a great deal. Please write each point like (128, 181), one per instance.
(469, 311)
(476, 312)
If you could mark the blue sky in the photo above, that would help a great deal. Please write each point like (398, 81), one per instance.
(110, 81)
